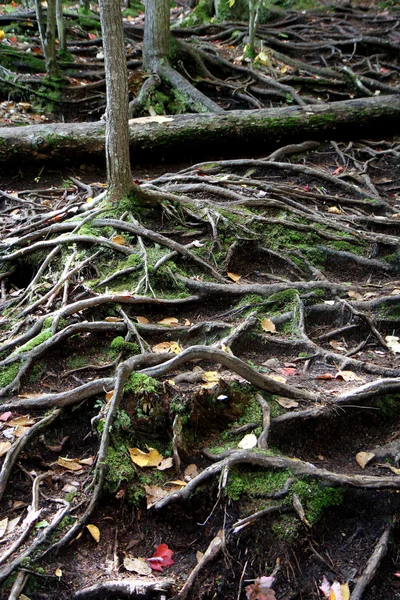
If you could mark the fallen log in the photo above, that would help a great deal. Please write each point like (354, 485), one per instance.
(206, 135)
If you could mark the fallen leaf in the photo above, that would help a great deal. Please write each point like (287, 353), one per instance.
(287, 402)
(4, 447)
(166, 463)
(136, 565)
(152, 458)
(3, 526)
(355, 295)
(261, 589)
(5, 416)
(154, 494)
(113, 319)
(177, 482)
(24, 421)
(268, 325)
(87, 461)
(336, 345)
(249, 441)
(175, 348)
(334, 210)
(234, 277)
(199, 556)
(363, 458)
(19, 431)
(277, 378)
(348, 376)
(344, 588)
(58, 572)
(109, 395)
(71, 464)
(393, 343)
(326, 376)
(288, 371)
(161, 347)
(394, 470)
(161, 558)
(94, 532)
(337, 171)
(118, 239)
(191, 471)
(226, 349)
(142, 320)
(210, 376)
(170, 321)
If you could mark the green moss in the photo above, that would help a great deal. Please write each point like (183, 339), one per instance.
(8, 374)
(39, 339)
(315, 498)
(286, 527)
(119, 468)
(120, 345)
(254, 483)
(139, 383)
(36, 373)
(77, 362)
(389, 311)
(389, 405)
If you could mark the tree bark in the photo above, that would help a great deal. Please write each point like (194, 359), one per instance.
(119, 175)
(156, 34)
(194, 136)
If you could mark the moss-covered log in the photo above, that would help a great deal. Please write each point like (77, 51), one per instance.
(200, 135)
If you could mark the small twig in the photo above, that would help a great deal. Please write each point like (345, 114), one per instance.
(372, 565)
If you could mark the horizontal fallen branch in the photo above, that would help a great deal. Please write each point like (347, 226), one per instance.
(159, 136)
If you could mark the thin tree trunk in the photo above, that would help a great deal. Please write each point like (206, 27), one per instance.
(156, 34)
(49, 49)
(62, 40)
(119, 175)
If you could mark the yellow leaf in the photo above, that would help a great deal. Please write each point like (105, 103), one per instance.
(344, 588)
(19, 431)
(94, 532)
(152, 458)
(118, 239)
(263, 58)
(175, 348)
(162, 347)
(58, 572)
(142, 320)
(171, 321)
(234, 276)
(211, 376)
(363, 458)
(334, 210)
(226, 349)
(113, 319)
(178, 482)
(284, 69)
(4, 448)
(2, 34)
(394, 470)
(71, 464)
(89, 199)
(109, 395)
(268, 325)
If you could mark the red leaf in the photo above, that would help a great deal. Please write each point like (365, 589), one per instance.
(92, 36)
(327, 376)
(337, 171)
(288, 371)
(306, 188)
(5, 416)
(162, 557)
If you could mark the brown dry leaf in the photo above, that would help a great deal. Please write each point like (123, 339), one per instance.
(175, 348)
(336, 345)
(166, 463)
(268, 325)
(4, 447)
(191, 471)
(118, 239)
(327, 376)
(177, 483)
(287, 402)
(24, 421)
(87, 461)
(354, 295)
(348, 376)
(113, 319)
(170, 321)
(94, 532)
(154, 494)
(137, 565)
(142, 320)
(71, 464)
(363, 458)
(109, 395)
(334, 210)
(249, 441)
(199, 556)
(161, 347)
(19, 431)
(234, 277)
(152, 458)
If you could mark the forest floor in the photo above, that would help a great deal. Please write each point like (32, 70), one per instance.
(169, 371)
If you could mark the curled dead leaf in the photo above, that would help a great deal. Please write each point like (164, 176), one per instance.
(268, 326)
(234, 276)
(363, 458)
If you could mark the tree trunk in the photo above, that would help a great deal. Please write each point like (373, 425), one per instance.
(196, 136)
(156, 34)
(62, 39)
(119, 175)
